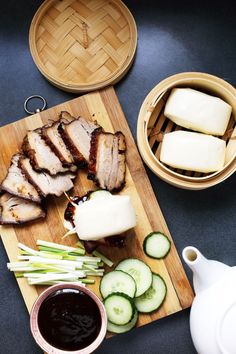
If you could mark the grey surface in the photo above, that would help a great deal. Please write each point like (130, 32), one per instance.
(174, 36)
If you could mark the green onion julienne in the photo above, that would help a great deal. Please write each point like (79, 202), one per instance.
(54, 263)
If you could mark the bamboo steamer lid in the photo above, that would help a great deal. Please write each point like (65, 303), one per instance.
(152, 123)
(83, 45)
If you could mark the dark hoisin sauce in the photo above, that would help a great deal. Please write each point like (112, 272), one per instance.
(69, 319)
(70, 209)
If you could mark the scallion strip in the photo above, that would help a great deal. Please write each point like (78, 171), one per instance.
(103, 258)
(58, 246)
(87, 281)
(100, 274)
(27, 249)
(77, 264)
(80, 244)
(64, 277)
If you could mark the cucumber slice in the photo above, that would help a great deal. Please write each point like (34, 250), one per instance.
(140, 271)
(119, 308)
(117, 281)
(156, 245)
(100, 193)
(125, 328)
(153, 298)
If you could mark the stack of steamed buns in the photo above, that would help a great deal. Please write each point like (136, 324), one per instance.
(207, 116)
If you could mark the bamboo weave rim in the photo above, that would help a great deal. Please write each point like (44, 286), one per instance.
(83, 45)
(152, 123)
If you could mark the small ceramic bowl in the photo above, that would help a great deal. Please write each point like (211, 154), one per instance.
(152, 123)
(48, 348)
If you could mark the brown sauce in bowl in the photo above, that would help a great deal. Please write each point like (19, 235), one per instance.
(69, 319)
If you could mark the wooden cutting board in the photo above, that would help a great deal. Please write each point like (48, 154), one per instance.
(105, 108)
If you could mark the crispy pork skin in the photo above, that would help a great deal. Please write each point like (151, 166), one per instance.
(77, 136)
(16, 183)
(45, 183)
(53, 138)
(107, 160)
(15, 210)
(40, 154)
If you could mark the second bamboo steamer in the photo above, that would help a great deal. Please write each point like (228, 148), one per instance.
(82, 46)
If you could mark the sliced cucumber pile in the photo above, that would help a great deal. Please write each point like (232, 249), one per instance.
(140, 271)
(117, 281)
(156, 245)
(129, 289)
(124, 328)
(119, 308)
(153, 298)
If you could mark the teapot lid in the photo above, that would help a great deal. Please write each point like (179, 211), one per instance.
(226, 330)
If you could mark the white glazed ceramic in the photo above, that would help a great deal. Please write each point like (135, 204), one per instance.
(213, 312)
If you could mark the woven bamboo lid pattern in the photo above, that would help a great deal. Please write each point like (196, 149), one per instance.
(83, 45)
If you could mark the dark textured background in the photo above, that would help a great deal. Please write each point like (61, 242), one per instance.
(174, 36)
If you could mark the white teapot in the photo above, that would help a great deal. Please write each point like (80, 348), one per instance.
(213, 312)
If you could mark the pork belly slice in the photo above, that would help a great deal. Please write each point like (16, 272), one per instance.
(107, 160)
(45, 183)
(15, 210)
(16, 183)
(40, 154)
(77, 136)
(53, 138)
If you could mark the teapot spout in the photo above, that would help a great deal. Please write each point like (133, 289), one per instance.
(205, 272)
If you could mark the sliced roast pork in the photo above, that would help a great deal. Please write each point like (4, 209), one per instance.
(107, 160)
(77, 136)
(15, 210)
(45, 183)
(54, 140)
(40, 154)
(16, 183)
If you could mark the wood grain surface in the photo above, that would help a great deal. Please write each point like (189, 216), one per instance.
(104, 107)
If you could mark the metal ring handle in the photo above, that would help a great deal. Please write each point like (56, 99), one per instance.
(38, 109)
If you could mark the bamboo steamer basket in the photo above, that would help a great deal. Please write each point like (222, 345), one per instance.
(83, 45)
(152, 123)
